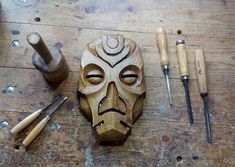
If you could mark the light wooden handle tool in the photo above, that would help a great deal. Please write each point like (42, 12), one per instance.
(182, 57)
(33, 134)
(162, 46)
(36, 130)
(202, 84)
(201, 71)
(25, 122)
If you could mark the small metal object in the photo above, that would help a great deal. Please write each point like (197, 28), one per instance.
(15, 43)
(10, 89)
(4, 124)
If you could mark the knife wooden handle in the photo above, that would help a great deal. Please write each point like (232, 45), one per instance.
(36, 130)
(201, 71)
(25, 122)
(182, 57)
(162, 46)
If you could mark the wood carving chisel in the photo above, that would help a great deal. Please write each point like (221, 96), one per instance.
(183, 67)
(25, 122)
(202, 84)
(38, 128)
(164, 59)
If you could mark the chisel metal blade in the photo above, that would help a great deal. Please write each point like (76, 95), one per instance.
(188, 101)
(168, 85)
(207, 119)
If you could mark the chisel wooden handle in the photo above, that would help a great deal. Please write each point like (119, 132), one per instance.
(25, 122)
(182, 57)
(162, 46)
(36, 41)
(201, 71)
(36, 130)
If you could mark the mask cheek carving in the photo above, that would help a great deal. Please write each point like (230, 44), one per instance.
(85, 107)
(138, 108)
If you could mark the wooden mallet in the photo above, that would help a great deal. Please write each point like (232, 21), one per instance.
(48, 60)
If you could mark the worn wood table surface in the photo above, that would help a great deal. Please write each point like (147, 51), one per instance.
(162, 136)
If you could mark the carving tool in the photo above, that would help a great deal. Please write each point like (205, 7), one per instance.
(202, 84)
(164, 59)
(38, 128)
(183, 67)
(25, 122)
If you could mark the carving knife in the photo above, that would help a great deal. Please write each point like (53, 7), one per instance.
(25, 122)
(38, 128)
(202, 84)
(164, 59)
(183, 67)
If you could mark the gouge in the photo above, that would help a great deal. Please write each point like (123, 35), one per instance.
(38, 128)
(183, 67)
(202, 84)
(164, 59)
(29, 119)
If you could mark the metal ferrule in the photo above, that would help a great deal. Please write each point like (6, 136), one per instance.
(184, 77)
(180, 41)
(165, 67)
(204, 95)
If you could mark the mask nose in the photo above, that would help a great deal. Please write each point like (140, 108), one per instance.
(112, 101)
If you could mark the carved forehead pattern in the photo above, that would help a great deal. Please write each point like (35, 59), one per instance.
(114, 49)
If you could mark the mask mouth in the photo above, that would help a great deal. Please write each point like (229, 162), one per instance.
(123, 123)
(112, 134)
(111, 110)
(117, 105)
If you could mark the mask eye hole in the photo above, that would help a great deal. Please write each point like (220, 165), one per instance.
(95, 76)
(129, 77)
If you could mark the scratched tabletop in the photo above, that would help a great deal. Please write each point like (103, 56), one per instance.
(162, 136)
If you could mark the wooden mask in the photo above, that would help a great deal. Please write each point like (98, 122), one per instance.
(111, 87)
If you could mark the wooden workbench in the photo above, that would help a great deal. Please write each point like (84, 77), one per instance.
(162, 136)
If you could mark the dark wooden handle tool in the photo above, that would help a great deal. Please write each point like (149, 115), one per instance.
(48, 60)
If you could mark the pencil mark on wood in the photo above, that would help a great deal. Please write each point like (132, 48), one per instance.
(58, 45)
(89, 157)
(110, 6)
(26, 3)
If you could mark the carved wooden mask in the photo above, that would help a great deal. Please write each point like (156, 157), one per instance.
(111, 87)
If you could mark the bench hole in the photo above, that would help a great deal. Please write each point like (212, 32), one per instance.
(179, 159)
(179, 32)
(17, 147)
(37, 19)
